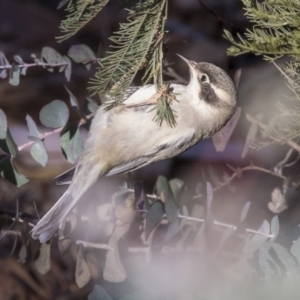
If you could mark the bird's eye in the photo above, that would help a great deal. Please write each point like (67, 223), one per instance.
(204, 78)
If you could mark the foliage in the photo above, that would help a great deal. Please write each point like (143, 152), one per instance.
(275, 35)
(54, 115)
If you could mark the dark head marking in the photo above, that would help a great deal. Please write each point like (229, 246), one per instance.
(210, 74)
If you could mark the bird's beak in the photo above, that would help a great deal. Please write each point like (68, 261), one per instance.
(190, 63)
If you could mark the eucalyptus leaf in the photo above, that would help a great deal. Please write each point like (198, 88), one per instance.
(71, 143)
(286, 258)
(99, 293)
(3, 62)
(54, 114)
(23, 71)
(43, 263)
(92, 105)
(18, 59)
(275, 227)
(245, 211)
(3, 124)
(113, 269)
(165, 194)
(34, 130)
(226, 234)
(68, 68)
(209, 193)
(8, 145)
(82, 272)
(295, 249)
(14, 76)
(81, 53)
(39, 152)
(73, 100)
(51, 56)
(256, 240)
(176, 186)
(154, 216)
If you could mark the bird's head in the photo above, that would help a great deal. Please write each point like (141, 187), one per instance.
(211, 84)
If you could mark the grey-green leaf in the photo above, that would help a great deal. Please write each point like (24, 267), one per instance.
(82, 54)
(245, 210)
(165, 193)
(39, 152)
(54, 114)
(3, 62)
(51, 56)
(34, 130)
(43, 263)
(257, 240)
(295, 249)
(3, 124)
(99, 293)
(71, 143)
(154, 216)
(92, 105)
(14, 76)
(209, 192)
(18, 59)
(68, 68)
(275, 227)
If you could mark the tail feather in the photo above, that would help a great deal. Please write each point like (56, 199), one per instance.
(85, 176)
(47, 226)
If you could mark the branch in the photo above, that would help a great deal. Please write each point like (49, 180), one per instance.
(57, 130)
(93, 245)
(40, 64)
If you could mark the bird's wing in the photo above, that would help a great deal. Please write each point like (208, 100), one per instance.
(177, 145)
(66, 177)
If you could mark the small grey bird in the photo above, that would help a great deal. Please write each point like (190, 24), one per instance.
(126, 138)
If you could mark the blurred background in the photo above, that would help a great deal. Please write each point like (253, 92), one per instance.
(194, 30)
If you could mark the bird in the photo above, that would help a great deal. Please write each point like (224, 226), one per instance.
(126, 137)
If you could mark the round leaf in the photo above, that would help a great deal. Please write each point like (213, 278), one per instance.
(34, 130)
(82, 272)
(39, 152)
(43, 263)
(51, 56)
(71, 143)
(81, 54)
(3, 124)
(54, 114)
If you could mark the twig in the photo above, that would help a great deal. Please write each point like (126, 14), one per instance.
(34, 65)
(291, 143)
(261, 233)
(57, 130)
(217, 223)
(93, 245)
(40, 64)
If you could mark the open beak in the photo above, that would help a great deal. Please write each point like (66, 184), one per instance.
(190, 63)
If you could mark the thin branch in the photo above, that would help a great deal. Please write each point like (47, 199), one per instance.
(93, 245)
(57, 130)
(217, 223)
(40, 64)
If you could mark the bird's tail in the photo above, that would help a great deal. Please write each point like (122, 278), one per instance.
(83, 179)
(47, 226)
